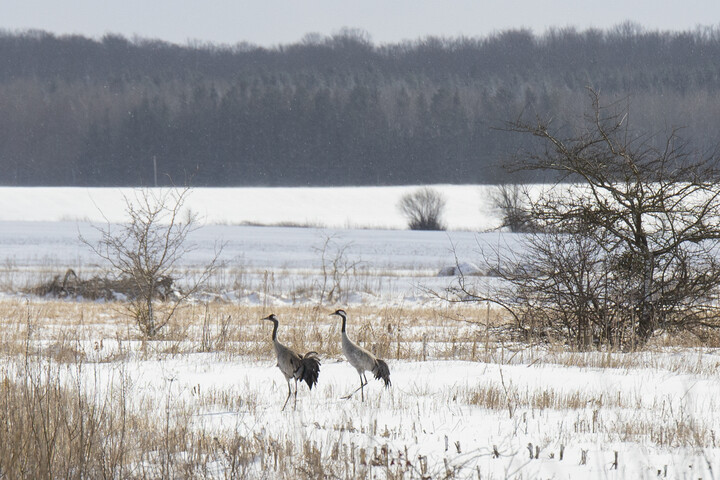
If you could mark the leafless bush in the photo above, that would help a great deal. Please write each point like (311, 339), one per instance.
(512, 201)
(336, 269)
(557, 289)
(423, 209)
(146, 250)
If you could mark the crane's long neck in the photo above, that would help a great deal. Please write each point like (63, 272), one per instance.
(344, 319)
(275, 328)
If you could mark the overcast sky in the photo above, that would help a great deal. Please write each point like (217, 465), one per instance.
(273, 22)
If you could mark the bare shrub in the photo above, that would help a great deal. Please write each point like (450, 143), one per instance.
(423, 209)
(512, 201)
(147, 248)
(336, 269)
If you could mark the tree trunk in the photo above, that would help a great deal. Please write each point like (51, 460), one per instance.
(151, 317)
(645, 310)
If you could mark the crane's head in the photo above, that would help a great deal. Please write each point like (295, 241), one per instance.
(273, 318)
(340, 313)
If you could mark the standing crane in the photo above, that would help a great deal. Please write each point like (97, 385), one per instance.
(362, 360)
(293, 365)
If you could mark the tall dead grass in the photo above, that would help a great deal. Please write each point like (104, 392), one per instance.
(49, 429)
(99, 332)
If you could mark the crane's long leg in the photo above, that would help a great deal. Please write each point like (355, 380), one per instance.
(288, 397)
(295, 404)
(362, 384)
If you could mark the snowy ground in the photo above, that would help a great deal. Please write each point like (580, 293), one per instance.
(468, 207)
(429, 412)
(655, 410)
(384, 266)
(40, 229)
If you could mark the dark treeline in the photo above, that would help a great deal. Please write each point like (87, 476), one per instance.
(329, 110)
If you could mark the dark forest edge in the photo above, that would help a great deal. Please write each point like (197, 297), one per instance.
(334, 110)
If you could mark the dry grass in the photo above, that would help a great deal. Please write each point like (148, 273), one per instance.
(66, 331)
(50, 429)
(99, 330)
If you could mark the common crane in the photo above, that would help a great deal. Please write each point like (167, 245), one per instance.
(293, 365)
(362, 360)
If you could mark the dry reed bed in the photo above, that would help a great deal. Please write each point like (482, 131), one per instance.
(393, 332)
(68, 329)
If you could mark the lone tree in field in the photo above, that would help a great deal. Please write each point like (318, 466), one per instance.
(511, 202)
(631, 235)
(423, 209)
(145, 251)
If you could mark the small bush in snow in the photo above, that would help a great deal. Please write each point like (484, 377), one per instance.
(423, 209)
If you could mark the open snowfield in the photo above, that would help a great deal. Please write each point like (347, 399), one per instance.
(204, 401)
(468, 206)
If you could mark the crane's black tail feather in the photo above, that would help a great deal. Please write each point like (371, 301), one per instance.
(310, 369)
(382, 371)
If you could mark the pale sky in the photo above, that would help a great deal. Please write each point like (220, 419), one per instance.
(273, 22)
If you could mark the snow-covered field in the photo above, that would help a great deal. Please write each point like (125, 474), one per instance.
(40, 229)
(461, 405)
(468, 207)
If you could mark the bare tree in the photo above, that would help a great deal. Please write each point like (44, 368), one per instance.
(145, 251)
(632, 235)
(512, 201)
(423, 209)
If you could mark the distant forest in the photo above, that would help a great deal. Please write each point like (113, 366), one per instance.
(335, 110)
